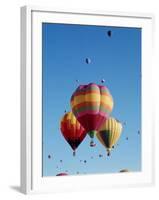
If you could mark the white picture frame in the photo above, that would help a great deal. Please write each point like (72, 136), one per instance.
(31, 91)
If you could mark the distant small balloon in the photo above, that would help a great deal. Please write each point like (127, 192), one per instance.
(88, 60)
(124, 170)
(100, 155)
(62, 174)
(61, 161)
(49, 156)
(85, 161)
(102, 81)
(138, 132)
(92, 144)
(127, 138)
(77, 81)
(109, 33)
(65, 111)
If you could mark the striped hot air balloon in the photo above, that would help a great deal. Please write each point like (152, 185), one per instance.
(109, 133)
(91, 104)
(72, 130)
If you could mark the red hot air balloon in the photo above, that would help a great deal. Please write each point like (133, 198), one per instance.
(62, 174)
(91, 104)
(72, 130)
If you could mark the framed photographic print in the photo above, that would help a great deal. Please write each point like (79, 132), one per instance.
(86, 100)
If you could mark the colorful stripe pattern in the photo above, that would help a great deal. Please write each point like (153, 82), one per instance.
(109, 133)
(91, 104)
(72, 130)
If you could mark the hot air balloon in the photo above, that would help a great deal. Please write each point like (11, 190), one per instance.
(124, 170)
(62, 174)
(91, 104)
(72, 130)
(77, 81)
(109, 33)
(103, 80)
(88, 60)
(109, 133)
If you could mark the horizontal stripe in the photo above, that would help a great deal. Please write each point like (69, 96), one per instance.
(87, 97)
(91, 108)
(89, 92)
(92, 113)
(92, 98)
(97, 104)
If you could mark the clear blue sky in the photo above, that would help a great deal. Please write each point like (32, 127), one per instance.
(117, 59)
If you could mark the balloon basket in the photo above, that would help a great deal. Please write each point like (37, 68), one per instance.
(108, 153)
(74, 153)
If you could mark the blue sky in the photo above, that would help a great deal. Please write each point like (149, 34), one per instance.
(117, 59)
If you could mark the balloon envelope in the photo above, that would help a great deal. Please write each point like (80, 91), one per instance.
(109, 33)
(91, 104)
(72, 130)
(88, 60)
(109, 133)
(62, 174)
(124, 170)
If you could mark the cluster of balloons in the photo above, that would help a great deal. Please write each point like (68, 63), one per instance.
(91, 107)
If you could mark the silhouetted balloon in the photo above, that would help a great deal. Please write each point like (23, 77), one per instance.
(88, 60)
(85, 161)
(109, 33)
(49, 156)
(102, 81)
